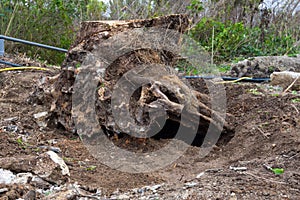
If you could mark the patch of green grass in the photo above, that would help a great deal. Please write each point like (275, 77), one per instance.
(67, 159)
(297, 100)
(294, 92)
(21, 143)
(278, 171)
(275, 95)
(224, 68)
(91, 168)
(254, 91)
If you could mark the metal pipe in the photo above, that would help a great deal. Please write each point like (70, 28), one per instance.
(9, 63)
(1, 47)
(33, 43)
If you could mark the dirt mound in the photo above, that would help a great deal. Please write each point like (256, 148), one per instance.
(267, 127)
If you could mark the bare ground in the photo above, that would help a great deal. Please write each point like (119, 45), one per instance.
(267, 131)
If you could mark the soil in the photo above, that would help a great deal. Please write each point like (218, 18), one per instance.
(266, 128)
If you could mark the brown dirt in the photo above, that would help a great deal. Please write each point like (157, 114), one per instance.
(267, 131)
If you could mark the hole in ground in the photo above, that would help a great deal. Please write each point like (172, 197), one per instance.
(162, 138)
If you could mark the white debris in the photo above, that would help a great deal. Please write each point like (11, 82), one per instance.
(40, 114)
(238, 168)
(58, 160)
(200, 175)
(6, 176)
(22, 178)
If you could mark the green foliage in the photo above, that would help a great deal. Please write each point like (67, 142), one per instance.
(234, 40)
(52, 22)
(296, 100)
(91, 168)
(195, 6)
(277, 171)
(254, 91)
(227, 35)
(47, 22)
(96, 9)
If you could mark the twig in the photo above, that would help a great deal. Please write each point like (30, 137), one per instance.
(295, 108)
(258, 177)
(261, 131)
(291, 85)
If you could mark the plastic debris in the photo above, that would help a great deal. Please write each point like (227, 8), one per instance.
(238, 168)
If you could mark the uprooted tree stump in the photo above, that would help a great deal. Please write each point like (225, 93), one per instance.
(137, 89)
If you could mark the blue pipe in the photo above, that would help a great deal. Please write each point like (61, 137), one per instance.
(257, 80)
(33, 43)
(9, 63)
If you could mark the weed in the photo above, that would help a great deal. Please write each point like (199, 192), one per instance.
(297, 100)
(91, 168)
(254, 91)
(275, 95)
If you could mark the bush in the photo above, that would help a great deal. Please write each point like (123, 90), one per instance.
(232, 40)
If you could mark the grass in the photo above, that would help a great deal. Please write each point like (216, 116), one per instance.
(296, 100)
(254, 91)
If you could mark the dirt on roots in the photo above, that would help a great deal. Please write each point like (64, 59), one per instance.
(266, 132)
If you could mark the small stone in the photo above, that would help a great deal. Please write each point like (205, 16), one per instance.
(22, 178)
(232, 196)
(123, 196)
(2, 190)
(31, 195)
(155, 187)
(40, 114)
(58, 160)
(190, 184)
(199, 175)
(141, 190)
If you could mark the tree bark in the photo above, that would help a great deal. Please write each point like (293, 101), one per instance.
(139, 85)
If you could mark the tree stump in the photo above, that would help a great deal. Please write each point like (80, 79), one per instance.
(123, 73)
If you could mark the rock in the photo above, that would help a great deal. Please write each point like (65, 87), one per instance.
(58, 160)
(154, 188)
(2, 190)
(48, 166)
(40, 114)
(232, 196)
(51, 148)
(6, 176)
(51, 167)
(264, 66)
(41, 119)
(11, 128)
(31, 195)
(22, 178)
(190, 184)
(285, 79)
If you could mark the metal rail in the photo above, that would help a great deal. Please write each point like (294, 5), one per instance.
(33, 43)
